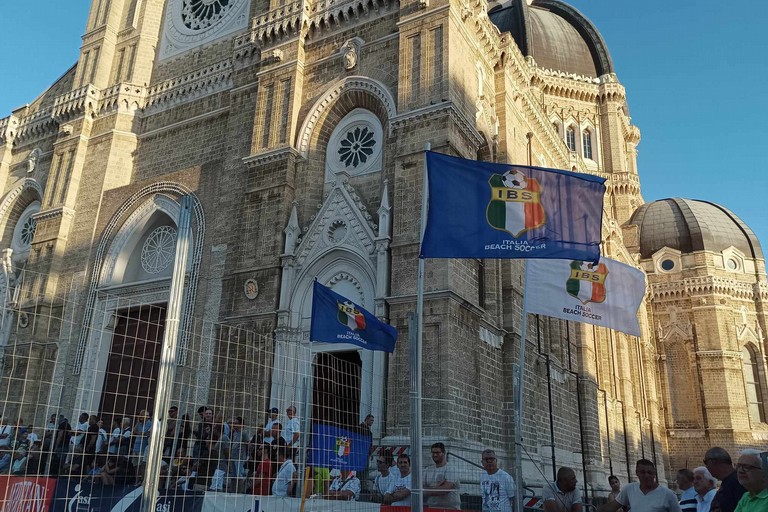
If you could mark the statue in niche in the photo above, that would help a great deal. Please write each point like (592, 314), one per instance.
(32, 160)
(350, 56)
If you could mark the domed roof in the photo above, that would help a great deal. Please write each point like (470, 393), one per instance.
(556, 35)
(690, 225)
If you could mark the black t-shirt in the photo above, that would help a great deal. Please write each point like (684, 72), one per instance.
(64, 428)
(729, 494)
(89, 440)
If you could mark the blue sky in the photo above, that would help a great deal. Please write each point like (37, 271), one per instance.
(695, 73)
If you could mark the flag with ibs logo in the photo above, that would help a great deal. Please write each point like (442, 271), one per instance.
(337, 319)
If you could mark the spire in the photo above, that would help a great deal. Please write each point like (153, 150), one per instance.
(383, 211)
(292, 231)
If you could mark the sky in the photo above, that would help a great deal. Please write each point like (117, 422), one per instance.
(696, 75)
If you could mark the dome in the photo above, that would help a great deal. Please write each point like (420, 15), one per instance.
(556, 35)
(690, 225)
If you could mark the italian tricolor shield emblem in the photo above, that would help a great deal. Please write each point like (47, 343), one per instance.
(515, 205)
(587, 282)
(350, 316)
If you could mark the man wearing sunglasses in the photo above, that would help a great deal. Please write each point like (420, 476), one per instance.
(385, 477)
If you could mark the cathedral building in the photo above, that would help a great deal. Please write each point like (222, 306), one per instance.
(298, 129)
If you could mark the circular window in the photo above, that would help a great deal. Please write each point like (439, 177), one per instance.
(24, 232)
(158, 250)
(355, 145)
(201, 14)
(667, 265)
(732, 264)
(190, 23)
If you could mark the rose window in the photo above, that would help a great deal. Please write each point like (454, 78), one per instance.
(356, 146)
(159, 250)
(28, 232)
(201, 14)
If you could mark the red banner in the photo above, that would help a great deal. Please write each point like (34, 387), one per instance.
(26, 493)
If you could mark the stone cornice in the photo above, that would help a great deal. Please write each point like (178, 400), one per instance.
(725, 354)
(75, 103)
(52, 213)
(185, 88)
(327, 15)
(445, 108)
(276, 24)
(567, 85)
(707, 285)
(8, 128)
(35, 126)
(122, 98)
(270, 156)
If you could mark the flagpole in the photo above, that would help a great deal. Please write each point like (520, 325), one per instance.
(417, 497)
(519, 401)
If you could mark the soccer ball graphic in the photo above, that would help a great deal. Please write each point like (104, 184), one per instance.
(515, 179)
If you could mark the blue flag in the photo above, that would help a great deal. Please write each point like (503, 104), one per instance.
(336, 447)
(336, 319)
(489, 210)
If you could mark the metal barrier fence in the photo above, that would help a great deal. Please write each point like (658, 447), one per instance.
(79, 385)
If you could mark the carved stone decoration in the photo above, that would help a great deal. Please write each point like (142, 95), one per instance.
(350, 53)
(192, 23)
(251, 289)
(679, 327)
(7, 277)
(350, 56)
(159, 249)
(32, 159)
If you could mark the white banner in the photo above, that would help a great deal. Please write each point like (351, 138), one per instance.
(607, 294)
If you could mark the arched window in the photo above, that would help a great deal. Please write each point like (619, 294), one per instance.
(570, 138)
(752, 386)
(586, 144)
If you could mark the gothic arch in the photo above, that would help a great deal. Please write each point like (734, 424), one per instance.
(130, 231)
(318, 111)
(170, 190)
(15, 202)
(754, 382)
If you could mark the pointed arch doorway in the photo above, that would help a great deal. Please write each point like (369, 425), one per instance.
(130, 379)
(336, 389)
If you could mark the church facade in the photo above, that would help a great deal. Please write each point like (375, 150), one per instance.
(298, 128)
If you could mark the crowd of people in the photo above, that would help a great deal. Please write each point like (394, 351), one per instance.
(743, 487)
(218, 454)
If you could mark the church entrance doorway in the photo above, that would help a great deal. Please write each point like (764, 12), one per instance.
(336, 388)
(130, 380)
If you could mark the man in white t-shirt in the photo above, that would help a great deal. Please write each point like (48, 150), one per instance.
(496, 485)
(285, 480)
(645, 495)
(291, 429)
(441, 482)
(103, 439)
(346, 486)
(384, 478)
(399, 493)
(76, 441)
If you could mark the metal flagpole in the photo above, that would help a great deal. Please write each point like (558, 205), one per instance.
(417, 497)
(167, 372)
(519, 402)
